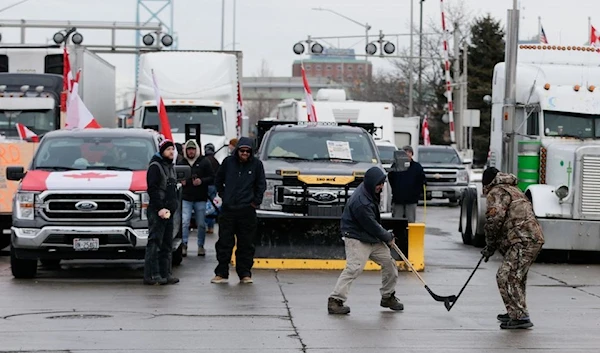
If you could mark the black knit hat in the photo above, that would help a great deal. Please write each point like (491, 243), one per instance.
(488, 175)
(164, 145)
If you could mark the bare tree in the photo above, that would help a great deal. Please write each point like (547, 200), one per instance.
(263, 105)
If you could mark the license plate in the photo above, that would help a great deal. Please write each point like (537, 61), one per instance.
(437, 194)
(86, 244)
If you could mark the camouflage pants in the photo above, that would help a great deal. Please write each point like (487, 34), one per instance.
(512, 277)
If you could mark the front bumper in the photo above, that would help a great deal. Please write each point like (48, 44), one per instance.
(61, 238)
(445, 191)
(569, 234)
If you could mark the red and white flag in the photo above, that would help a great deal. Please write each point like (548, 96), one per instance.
(310, 104)
(240, 113)
(67, 73)
(165, 125)
(594, 37)
(425, 128)
(78, 115)
(25, 133)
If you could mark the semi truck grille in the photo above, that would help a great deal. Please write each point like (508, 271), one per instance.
(81, 207)
(590, 187)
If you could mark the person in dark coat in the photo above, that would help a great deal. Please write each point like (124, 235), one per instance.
(365, 239)
(195, 194)
(209, 152)
(241, 183)
(162, 190)
(407, 187)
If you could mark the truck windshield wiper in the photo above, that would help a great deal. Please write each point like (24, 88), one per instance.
(334, 159)
(571, 135)
(289, 157)
(111, 167)
(57, 168)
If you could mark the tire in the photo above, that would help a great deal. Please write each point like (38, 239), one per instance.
(454, 202)
(178, 256)
(477, 235)
(22, 268)
(465, 217)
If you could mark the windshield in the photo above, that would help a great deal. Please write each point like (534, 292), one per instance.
(112, 153)
(38, 121)
(209, 118)
(386, 153)
(311, 144)
(438, 156)
(571, 124)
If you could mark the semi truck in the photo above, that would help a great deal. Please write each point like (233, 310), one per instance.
(31, 85)
(197, 87)
(332, 106)
(556, 145)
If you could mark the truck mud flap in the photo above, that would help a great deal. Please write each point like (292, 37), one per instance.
(306, 242)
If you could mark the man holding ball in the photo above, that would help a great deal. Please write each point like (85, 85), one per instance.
(162, 189)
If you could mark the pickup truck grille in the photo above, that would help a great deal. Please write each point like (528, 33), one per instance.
(590, 187)
(62, 207)
(440, 176)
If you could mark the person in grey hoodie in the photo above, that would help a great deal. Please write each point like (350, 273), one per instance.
(365, 239)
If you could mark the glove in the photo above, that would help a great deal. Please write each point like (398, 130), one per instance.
(487, 252)
(393, 239)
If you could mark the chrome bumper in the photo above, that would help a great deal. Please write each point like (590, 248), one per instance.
(448, 191)
(32, 238)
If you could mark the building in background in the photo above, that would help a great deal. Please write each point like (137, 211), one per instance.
(339, 65)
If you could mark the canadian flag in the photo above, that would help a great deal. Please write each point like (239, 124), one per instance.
(165, 125)
(594, 37)
(78, 115)
(25, 133)
(425, 128)
(310, 104)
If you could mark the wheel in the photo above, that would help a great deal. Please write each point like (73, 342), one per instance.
(454, 202)
(477, 235)
(51, 263)
(178, 256)
(22, 268)
(465, 217)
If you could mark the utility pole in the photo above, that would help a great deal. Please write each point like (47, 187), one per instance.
(509, 123)
(410, 64)
(234, 13)
(420, 85)
(458, 110)
(222, 25)
(468, 129)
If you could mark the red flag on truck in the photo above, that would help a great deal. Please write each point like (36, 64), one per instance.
(78, 115)
(310, 105)
(425, 128)
(165, 125)
(25, 133)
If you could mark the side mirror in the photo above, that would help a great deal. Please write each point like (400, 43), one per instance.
(183, 172)
(15, 173)
(401, 161)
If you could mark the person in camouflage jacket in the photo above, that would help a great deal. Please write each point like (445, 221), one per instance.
(512, 229)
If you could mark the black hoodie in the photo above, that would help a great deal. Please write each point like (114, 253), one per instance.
(162, 184)
(241, 184)
(202, 169)
(361, 217)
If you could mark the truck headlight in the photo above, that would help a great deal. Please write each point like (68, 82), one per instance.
(25, 205)
(463, 176)
(143, 205)
(562, 192)
(269, 196)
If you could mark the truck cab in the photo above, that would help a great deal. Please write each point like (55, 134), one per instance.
(84, 197)
(447, 175)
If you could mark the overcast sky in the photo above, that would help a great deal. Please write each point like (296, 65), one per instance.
(267, 29)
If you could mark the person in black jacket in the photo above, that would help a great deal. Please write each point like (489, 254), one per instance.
(365, 239)
(406, 188)
(162, 190)
(241, 183)
(195, 194)
(209, 152)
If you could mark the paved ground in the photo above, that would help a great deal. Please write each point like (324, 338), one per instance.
(96, 308)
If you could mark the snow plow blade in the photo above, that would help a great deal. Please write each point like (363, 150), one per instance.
(314, 243)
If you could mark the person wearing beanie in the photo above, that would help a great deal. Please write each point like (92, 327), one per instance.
(162, 190)
(241, 183)
(209, 152)
(365, 239)
(511, 228)
(195, 194)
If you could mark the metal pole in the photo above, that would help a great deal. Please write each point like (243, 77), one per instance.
(234, 11)
(410, 63)
(367, 43)
(222, 24)
(509, 119)
(464, 95)
(458, 111)
(589, 30)
(539, 29)
(420, 86)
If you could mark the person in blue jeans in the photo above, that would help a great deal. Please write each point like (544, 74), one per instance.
(209, 152)
(195, 194)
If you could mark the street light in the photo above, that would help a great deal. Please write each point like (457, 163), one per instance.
(385, 47)
(77, 38)
(63, 36)
(166, 39)
(315, 47)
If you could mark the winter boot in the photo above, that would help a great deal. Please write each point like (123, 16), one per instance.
(392, 302)
(201, 251)
(172, 280)
(184, 250)
(155, 281)
(503, 317)
(516, 324)
(336, 306)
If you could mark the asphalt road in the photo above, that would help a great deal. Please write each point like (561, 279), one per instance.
(105, 308)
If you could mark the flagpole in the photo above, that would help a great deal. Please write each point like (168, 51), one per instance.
(589, 30)
(539, 29)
